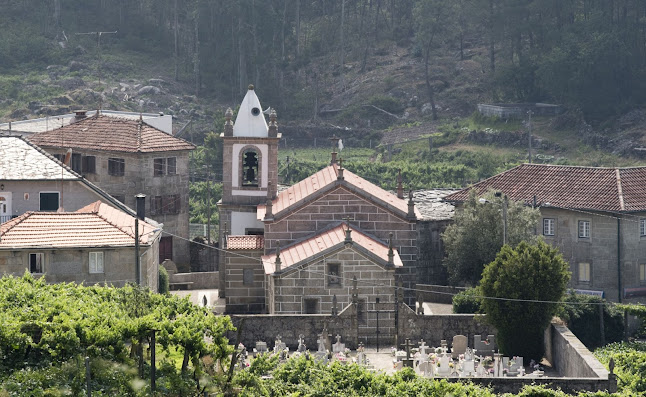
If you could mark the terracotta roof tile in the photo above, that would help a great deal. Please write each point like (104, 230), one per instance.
(299, 252)
(96, 225)
(246, 242)
(603, 189)
(325, 179)
(110, 133)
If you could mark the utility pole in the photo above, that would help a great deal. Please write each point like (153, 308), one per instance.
(208, 212)
(504, 219)
(530, 136)
(98, 43)
(137, 259)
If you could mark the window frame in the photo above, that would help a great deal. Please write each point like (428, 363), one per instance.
(243, 167)
(642, 273)
(116, 166)
(159, 166)
(171, 170)
(317, 305)
(89, 164)
(333, 281)
(642, 227)
(585, 276)
(551, 223)
(40, 200)
(585, 232)
(96, 256)
(40, 255)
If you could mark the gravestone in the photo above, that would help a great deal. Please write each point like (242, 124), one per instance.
(408, 362)
(338, 347)
(497, 365)
(444, 369)
(321, 354)
(516, 365)
(484, 347)
(468, 365)
(423, 349)
(301, 344)
(279, 345)
(261, 347)
(459, 346)
(361, 355)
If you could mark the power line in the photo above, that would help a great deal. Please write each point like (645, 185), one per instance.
(395, 287)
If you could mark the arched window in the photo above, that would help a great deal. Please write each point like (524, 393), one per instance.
(250, 168)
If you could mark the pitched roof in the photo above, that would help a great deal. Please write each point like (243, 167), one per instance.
(246, 242)
(21, 160)
(96, 225)
(430, 204)
(591, 188)
(101, 132)
(324, 181)
(325, 241)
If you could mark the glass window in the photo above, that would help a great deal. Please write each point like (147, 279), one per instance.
(584, 272)
(77, 162)
(642, 272)
(158, 167)
(49, 201)
(96, 262)
(89, 164)
(36, 262)
(171, 165)
(642, 227)
(333, 275)
(584, 229)
(116, 166)
(548, 226)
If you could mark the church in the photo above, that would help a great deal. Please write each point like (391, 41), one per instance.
(314, 247)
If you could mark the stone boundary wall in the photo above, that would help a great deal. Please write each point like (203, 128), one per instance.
(437, 293)
(266, 327)
(569, 356)
(518, 110)
(199, 280)
(568, 385)
(433, 329)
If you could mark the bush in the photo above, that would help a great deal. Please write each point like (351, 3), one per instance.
(467, 301)
(164, 284)
(525, 277)
(630, 365)
(582, 317)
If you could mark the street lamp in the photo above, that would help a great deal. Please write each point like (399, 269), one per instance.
(483, 200)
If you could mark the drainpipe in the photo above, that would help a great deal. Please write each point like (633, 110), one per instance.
(619, 259)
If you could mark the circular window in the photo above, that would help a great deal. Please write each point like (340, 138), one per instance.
(255, 111)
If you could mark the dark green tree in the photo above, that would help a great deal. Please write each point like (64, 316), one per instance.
(516, 287)
(476, 236)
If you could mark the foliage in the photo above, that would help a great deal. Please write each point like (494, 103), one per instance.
(477, 235)
(467, 301)
(528, 272)
(582, 316)
(48, 329)
(630, 365)
(164, 281)
(638, 310)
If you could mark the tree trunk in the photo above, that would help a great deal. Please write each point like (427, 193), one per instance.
(429, 88)
(176, 38)
(298, 28)
(185, 361)
(492, 54)
(196, 57)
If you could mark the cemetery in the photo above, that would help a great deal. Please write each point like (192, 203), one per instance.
(568, 365)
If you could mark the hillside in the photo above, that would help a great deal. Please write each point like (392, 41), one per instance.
(350, 67)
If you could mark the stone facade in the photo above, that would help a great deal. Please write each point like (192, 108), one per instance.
(139, 177)
(72, 265)
(599, 250)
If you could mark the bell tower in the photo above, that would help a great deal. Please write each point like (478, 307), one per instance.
(250, 177)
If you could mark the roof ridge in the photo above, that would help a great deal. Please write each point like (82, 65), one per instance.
(16, 221)
(49, 156)
(620, 192)
(117, 226)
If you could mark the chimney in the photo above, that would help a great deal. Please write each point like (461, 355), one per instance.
(141, 206)
(68, 157)
(391, 253)
(268, 210)
(278, 262)
(80, 115)
(411, 207)
(340, 174)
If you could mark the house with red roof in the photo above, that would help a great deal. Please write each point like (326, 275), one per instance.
(327, 243)
(93, 245)
(126, 157)
(596, 217)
